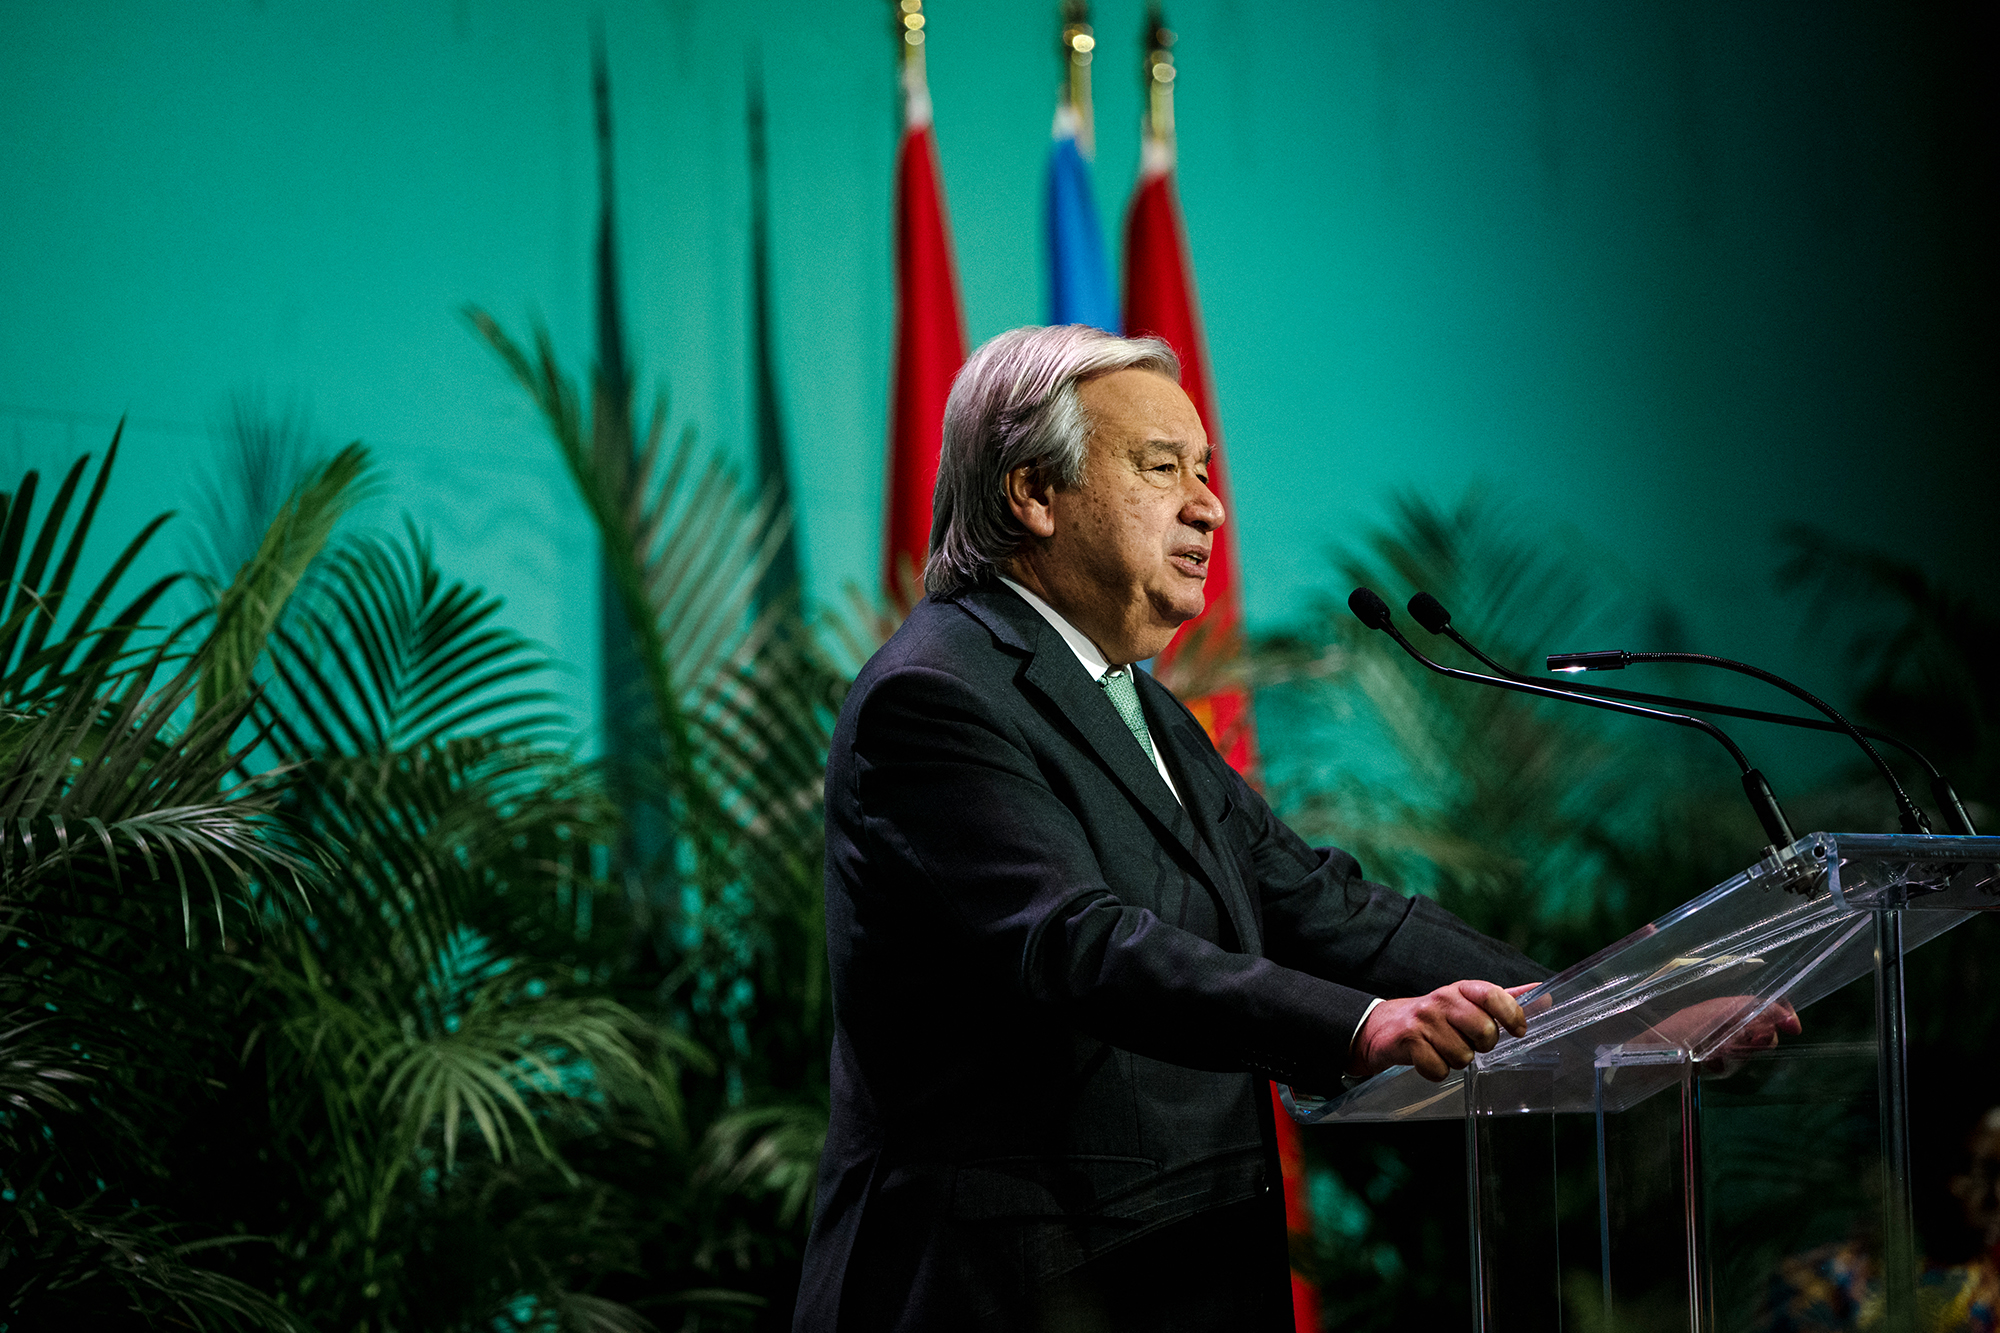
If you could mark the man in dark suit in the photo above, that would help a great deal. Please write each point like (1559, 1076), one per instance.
(1069, 945)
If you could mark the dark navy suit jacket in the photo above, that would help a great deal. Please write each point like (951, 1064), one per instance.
(1058, 992)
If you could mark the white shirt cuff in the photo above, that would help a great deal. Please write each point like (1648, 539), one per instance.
(1348, 1081)
(1363, 1023)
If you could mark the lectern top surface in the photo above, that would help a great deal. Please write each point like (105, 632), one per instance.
(1790, 929)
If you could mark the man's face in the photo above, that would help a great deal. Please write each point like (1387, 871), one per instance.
(1127, 561)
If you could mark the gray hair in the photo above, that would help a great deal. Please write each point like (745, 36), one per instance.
(1014, 404)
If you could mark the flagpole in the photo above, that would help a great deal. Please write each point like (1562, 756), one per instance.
(1157, 80)
(1077, 45)
(909, 28)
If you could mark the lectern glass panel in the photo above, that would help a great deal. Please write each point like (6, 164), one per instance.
(1650, 1156)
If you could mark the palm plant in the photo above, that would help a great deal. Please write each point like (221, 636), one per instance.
(118, 820)
(407, 1076)
(470, 973)
(448, 982)
(744, 700)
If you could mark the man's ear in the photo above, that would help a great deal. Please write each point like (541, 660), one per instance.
(1032, 498)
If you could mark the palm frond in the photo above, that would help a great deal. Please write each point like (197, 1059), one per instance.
(262, 455)
(580, 1312)
(866, 623)
(501, 1060)
(433, 838)
(712, 1300)
(630, 497)
(394, 657)
(767, 1150)
(686, 550)
(251, 608)
(36, 1075)
(509, 1060)
(95, 780)
(763, 730)
(85, 1266)
(37, 662)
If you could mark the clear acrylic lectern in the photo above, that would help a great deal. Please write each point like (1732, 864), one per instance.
(1719, 1172)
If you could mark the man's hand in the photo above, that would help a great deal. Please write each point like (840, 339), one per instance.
(1438, 1032)
(1687, 1027)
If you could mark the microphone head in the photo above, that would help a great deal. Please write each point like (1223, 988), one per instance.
(1368, 608)
(1429, 612)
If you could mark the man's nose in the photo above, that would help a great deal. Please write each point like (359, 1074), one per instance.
(1202, 509)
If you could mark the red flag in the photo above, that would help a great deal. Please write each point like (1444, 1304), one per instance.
(930, 344)
(1160, 300)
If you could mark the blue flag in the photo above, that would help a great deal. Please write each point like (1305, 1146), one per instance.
(1080, 289)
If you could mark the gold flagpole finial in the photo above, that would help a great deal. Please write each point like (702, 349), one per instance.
(909, 20)
(1158, 77)
(1077, 44)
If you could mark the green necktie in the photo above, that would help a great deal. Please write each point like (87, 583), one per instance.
(1125, 698)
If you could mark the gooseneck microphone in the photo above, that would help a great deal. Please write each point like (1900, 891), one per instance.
(1373, 612)
(1616, 659)
(1431, 614)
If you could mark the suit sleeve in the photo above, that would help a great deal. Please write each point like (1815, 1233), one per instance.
(976, 845)
(1322, 917)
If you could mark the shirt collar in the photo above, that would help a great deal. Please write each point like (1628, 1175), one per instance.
(1093, 662)
(1086, 651)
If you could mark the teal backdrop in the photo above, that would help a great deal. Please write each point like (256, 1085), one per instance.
(1665, 274)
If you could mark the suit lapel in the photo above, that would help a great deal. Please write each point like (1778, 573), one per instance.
(1082, 703)
(1192, 758)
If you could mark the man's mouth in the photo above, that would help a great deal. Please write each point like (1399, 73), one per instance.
(1193, 561)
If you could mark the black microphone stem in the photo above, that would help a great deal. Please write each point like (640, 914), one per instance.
(1372, 611)
(1912, 819)
(1430, 613)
